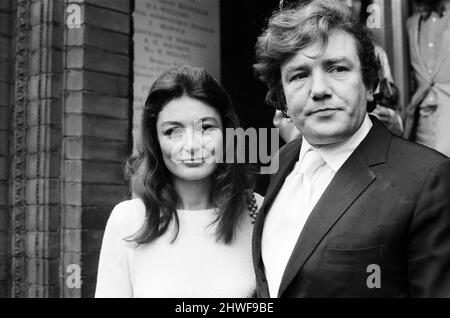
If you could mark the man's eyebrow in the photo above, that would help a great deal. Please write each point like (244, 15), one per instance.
(327, 62)
(337, 60)
(296, 68)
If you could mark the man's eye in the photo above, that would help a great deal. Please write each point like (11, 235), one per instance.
(338, 69)
(299, 76)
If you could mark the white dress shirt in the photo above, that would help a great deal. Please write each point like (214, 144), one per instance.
(289, 211)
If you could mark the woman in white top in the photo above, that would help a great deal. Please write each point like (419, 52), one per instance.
(188, 232)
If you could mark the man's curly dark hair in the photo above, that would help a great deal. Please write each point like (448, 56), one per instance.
(293, 29)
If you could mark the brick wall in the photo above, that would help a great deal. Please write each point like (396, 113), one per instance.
(5, 88)
(96, 132)
(64, 104)
(44, 148)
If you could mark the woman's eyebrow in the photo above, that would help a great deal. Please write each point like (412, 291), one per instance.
(209, 118)
(171, 123)
(177, 123)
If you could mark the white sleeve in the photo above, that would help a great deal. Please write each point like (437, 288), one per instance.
(113, 276)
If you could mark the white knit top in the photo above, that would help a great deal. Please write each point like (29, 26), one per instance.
(194, 265)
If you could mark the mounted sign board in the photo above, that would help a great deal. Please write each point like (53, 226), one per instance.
(169, 33)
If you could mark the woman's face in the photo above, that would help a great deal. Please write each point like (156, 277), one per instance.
(190, 132)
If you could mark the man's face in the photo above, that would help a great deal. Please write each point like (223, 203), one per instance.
(325, 94)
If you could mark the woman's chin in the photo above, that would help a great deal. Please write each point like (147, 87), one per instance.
(196, 173)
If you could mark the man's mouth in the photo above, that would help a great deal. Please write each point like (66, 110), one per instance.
(324, 111)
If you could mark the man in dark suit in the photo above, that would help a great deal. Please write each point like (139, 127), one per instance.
(353, 211)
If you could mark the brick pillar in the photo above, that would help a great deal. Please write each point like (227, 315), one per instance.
(68, 121)
(36, 149)
(18, 149)
(5, 87)
(44, 148)
(96, 132)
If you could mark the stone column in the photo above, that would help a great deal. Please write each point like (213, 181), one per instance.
(96, 133)
(18, 151)
(68, 121)
(36, 154)
(6, 13)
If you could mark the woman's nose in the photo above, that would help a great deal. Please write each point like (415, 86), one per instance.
(192, 141)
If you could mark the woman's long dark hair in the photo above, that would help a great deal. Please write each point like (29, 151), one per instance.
(152, 182)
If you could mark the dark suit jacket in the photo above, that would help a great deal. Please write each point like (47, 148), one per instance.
(388, 205)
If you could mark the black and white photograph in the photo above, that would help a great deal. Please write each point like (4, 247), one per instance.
(243, 151)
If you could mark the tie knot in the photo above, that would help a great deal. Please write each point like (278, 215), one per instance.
(311, 162)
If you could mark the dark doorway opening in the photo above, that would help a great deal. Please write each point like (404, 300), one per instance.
(241, 23)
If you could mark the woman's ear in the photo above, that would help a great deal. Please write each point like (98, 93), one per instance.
(370, 95)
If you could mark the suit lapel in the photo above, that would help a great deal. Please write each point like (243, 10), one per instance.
(354, 177)
(287, 163)
(349, 182)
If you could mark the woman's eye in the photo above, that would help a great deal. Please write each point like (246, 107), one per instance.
(206, 127)
(172, 132)
(169, 131)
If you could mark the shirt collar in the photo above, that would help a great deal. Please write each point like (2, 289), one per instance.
(336, 155)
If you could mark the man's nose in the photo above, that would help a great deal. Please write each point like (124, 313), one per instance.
(320, 88)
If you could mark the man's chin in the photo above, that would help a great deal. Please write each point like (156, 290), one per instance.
(326, 136)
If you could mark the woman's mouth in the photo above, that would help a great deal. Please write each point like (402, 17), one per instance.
(193, 162)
